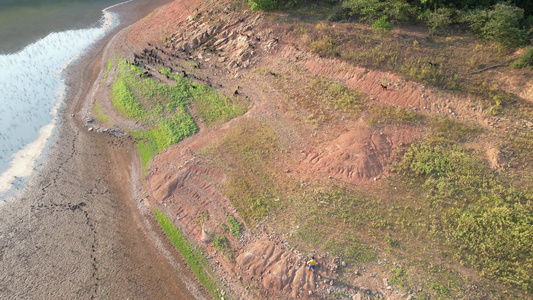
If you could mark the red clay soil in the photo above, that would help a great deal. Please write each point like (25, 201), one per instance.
(185, 187)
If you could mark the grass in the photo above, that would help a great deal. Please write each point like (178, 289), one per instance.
(235, 226)
(251, 188)
(387, 114)
(164, 109)
(100, 115)
(191, 254)
(487, 222)
(221, 243)
(448, 203)
(322, 100)
(449, 63)
(109, 65)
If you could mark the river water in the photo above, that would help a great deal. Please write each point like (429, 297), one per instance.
(38, 38)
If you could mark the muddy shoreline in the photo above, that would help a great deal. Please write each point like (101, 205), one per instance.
(77, 232)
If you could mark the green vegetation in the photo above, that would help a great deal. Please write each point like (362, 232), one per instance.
(386, 114)
(382, 24)
(526, 60)
(443, 128)
(256, 5)
(486, 221)
(164, 109)
(235, 226)
(221, 243)
(500, 23)
(372, 10)
(109, 65)
(100, 115)
(245, 153)
(191, 254)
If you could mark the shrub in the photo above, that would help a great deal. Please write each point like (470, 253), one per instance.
(500, 24)
(371, 10)
(526, 60)
(235, 226)
(325, 46)
(263, 5)
(439, 19)
(382, 24)
(221, 243)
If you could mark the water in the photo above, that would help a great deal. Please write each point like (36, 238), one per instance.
(31, 86)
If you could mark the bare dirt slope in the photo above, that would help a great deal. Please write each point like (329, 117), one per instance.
(75, 232)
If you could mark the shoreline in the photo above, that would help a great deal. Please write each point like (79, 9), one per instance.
(24, 161)
(75, 231)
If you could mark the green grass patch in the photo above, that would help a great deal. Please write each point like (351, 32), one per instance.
(164, 109)
(100, 115)
(215, 108)
(526, 60)
(192, 255)
(387, 114)
(487, 222)
(322, 101)
(444, 128)
(235, 226)
(109, 65)
(336, 96)
(244, 155)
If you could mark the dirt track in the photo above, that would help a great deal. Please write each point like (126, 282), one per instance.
(75, 233)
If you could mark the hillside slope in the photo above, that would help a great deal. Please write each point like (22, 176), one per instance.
(399, 188)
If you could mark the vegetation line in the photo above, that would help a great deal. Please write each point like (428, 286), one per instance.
(192, 255)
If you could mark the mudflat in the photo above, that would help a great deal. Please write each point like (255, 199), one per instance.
(78, 231)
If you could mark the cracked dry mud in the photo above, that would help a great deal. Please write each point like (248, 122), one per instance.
(75, 232)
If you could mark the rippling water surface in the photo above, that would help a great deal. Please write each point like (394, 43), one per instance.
(31, 86)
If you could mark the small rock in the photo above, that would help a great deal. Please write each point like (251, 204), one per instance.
(90, 129)
(73, 115)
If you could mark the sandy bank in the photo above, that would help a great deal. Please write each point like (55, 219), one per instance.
(75, 233)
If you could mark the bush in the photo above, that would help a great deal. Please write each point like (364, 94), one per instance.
(382, 24)
(500, 24)
(221, 243)
(439, 19)
(263, 4)
(372, 10)
(526, 60)
(235, 226)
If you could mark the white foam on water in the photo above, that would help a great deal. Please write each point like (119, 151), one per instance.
(31, 92)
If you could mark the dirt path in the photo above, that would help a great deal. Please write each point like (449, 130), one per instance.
(75, 232)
